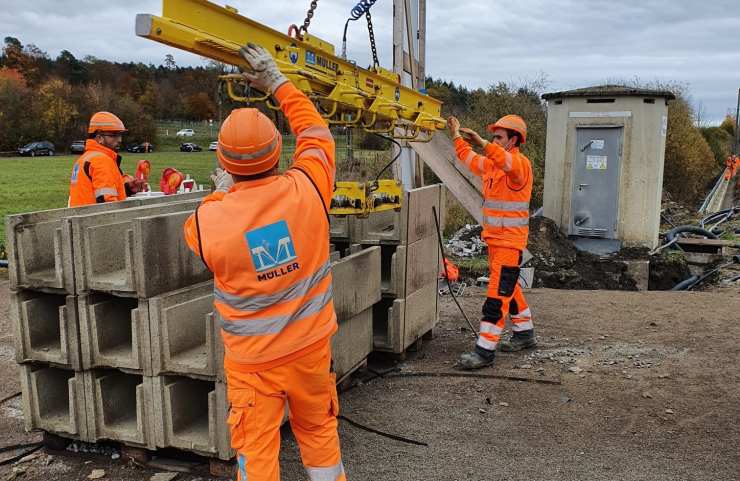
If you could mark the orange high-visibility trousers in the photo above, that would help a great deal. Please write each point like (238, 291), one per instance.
(257, 405)
(504, 298)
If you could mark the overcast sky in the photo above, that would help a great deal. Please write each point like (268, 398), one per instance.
(474, 43)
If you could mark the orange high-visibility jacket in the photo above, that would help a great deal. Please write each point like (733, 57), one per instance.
(96, 177)
(267, 243)
(507, 188)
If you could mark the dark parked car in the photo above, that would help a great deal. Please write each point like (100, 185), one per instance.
(140, 148)
(37, 148)
(190, 148)
(78, 147)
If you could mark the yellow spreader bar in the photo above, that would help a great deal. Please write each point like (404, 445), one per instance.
(347, 95)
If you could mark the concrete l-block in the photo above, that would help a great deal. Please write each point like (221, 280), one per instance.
(356, 282)
(120, 407)
(191, 414)
(111, 256)
(352, 342)
(415, 221)
(406, 268)
(40, 246)
(185, 339)
(114, 332)
(45, 328)
(397, 323)
(54, 400)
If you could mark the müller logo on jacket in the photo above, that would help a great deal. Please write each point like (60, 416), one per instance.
(272, 249)
(74, 174)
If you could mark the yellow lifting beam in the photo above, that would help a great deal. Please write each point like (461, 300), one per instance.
(347, 95)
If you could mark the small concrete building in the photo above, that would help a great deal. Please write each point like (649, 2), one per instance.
(604, 165)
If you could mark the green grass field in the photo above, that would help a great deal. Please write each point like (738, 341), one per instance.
(41, 183)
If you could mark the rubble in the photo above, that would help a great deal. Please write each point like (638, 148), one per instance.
(467, 242)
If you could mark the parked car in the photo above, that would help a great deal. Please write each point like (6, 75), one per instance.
(185, 133)
(188, 147)
(37, 148)
(140, 149)
(78, 147)
(213, 146)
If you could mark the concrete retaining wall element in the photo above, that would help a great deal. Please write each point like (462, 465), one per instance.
(120, 407)
(405, 269)
(399, 322)
(114, 332)
(39, 248)
(352, 342)
(105, 248)
(45, 328)
(185, 339)
(54, 400)
(162, 260)
(191, 414)
(414, 222)
(356, 282)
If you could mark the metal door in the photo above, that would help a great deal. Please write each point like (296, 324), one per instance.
(593, 208)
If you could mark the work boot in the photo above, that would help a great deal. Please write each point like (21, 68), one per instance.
(474, 360)
(518, 341)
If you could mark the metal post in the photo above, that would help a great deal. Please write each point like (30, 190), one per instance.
(736, 137)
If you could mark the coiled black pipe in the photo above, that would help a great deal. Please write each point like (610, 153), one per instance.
(4, 264)
(681, 286)
(688, 228)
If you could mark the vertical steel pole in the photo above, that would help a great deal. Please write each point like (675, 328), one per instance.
(736, 137)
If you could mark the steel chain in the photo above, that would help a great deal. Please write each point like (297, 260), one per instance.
(309, 16)
(376, 63)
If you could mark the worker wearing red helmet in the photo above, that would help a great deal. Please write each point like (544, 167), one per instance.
(507, 189)
(97, 176)
(265, 236)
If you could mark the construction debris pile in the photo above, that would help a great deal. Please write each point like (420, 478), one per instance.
(558, 264)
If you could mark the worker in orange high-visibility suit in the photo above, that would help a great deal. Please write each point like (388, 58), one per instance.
(730, 165)
(97, 176)
(265, 236)
(507, 188)
(735, 164)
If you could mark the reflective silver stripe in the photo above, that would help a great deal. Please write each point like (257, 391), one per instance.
(469, 160)
(525, 314)
(490, 328)
(317, 131)
(106, 124)
(512, 125)
(506, 221)
(316, 152)
(275, 325)
(482, 164)
(486, 344)
(106, 191)
(90, 154)
(332, 473)
(505, 205)
(256, 303)
(507, 167)
(522, 326)
(252, 156)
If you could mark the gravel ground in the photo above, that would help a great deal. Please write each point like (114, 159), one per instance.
(649, 391)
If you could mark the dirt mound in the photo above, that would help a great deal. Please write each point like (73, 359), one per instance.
(673, 211)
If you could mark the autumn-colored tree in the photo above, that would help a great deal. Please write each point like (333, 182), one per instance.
(58, 109)
(151, 100)
(12, 75)
(199, 107)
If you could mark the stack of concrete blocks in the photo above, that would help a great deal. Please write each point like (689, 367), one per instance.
(82, 282)
(410, 264)
(116, 332)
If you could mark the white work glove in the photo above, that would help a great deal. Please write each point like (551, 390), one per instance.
(223, 181)
(266, 71)
(454, 126)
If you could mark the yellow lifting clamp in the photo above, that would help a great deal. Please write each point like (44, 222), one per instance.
(345, 94)
(362, 198)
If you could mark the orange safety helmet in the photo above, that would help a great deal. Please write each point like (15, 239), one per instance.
(248, 143)
(106, 122)
(511, 122)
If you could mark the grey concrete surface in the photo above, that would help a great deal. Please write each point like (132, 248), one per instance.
(54, 400)
(114, 332)
(120, 407)
(45, 328)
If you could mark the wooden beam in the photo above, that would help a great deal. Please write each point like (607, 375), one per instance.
(422, 44)
(410, 38)
(442, 166)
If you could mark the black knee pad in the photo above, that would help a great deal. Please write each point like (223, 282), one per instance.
(492, 310)
(508, 280)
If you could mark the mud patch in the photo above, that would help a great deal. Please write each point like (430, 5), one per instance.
(12, 408)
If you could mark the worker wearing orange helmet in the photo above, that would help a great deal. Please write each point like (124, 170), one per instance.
(97, 176)
(507, 188)
(265, 236)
